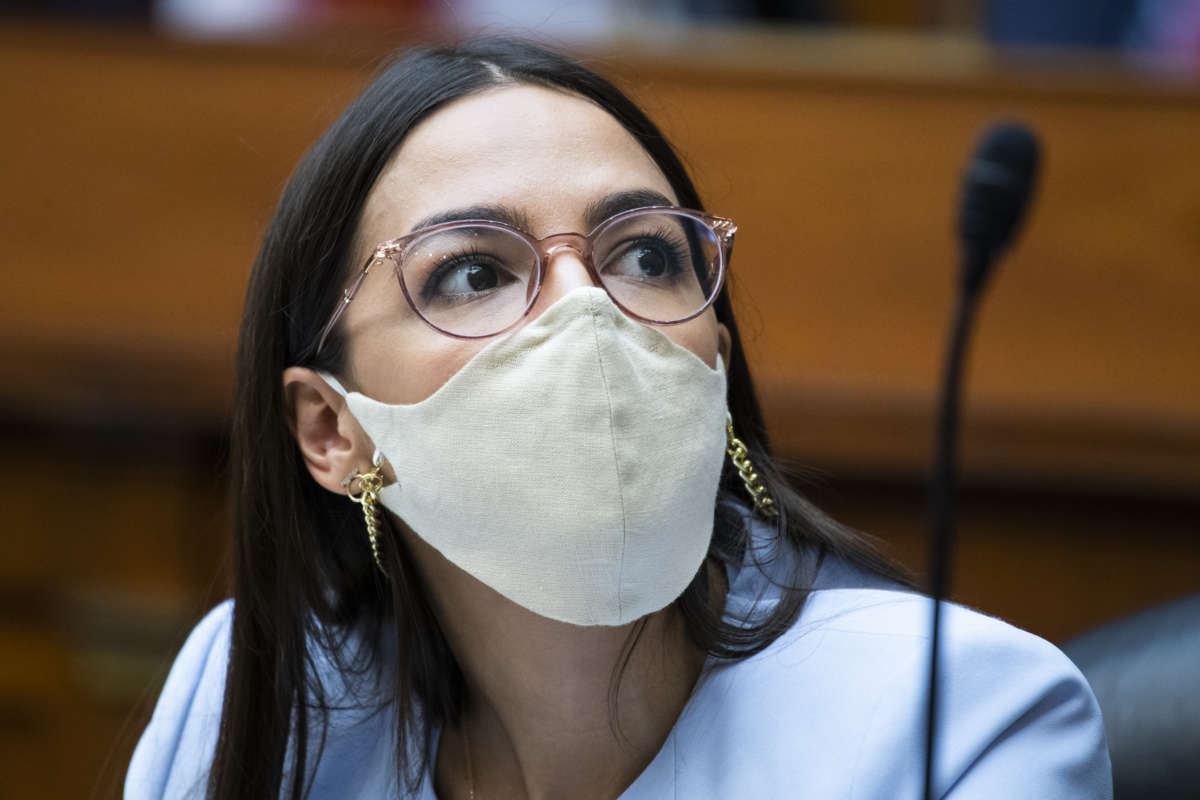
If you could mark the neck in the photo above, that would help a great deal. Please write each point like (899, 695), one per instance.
(546, 715)
(542, 719)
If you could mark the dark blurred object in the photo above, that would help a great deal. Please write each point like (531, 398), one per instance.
(106, 10)
(795, 10)
(1072, 23)
(1145, 670)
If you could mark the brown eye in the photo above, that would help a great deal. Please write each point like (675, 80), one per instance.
(468, 275)
(480, 277)
(651, 262)
(646, 258)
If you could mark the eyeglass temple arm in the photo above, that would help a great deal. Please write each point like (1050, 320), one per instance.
(347, 296)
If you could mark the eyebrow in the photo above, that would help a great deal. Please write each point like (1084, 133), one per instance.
(613, 204)
(596, 212)
(494, 213)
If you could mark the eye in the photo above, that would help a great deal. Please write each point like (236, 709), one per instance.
(471, 278)
(645, 258)
(460, 276)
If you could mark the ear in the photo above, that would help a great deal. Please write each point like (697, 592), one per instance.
(724, 344)
(330, 439)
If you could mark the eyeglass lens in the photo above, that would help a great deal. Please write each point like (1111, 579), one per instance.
(476, 280)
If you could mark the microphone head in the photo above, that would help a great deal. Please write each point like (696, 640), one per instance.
(996, 188)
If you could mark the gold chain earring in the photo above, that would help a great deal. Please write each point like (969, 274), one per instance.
(764, 504)
(367, 496)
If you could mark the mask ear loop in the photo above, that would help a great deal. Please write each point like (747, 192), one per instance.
(367, 496)
(369, 485)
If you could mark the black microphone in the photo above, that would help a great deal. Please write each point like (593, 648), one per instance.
(996, 189)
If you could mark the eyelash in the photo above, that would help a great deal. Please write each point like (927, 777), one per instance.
(670, 239)
(428, 290)
(677, 251)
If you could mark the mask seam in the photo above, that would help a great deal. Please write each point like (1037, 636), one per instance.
(616, 464)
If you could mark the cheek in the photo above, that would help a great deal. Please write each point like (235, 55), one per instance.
(406, 361)
(699, 336)
(392, 355)
(404, 367)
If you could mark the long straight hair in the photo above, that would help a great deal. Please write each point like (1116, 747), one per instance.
(304, 586)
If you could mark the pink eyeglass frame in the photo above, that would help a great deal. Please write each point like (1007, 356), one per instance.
(545, 248)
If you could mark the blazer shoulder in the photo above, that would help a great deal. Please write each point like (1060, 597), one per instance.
(175, 751)
(1016, 716)
(847, 686)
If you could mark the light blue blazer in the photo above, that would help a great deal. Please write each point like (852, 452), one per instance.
(833, 709)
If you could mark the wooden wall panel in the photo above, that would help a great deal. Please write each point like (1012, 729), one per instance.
(844, 259)
(143, 173)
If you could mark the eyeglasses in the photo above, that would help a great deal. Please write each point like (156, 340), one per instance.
(471, 279)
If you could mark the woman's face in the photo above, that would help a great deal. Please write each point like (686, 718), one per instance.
(543, 156)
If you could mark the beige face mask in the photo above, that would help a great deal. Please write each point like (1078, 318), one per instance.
(571, 466)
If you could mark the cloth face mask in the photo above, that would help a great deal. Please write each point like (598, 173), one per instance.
(571, 466)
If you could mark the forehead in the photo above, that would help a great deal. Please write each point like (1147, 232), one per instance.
(544, 153)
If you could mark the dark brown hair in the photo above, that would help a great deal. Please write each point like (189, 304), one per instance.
(304, 584)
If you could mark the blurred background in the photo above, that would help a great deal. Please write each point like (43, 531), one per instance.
(144, 145)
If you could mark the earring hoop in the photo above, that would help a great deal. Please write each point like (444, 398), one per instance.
(367, 496)
(764, 504)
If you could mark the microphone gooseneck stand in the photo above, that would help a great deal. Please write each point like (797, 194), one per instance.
(995, 194)
(941, 500)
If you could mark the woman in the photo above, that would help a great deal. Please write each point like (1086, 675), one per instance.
(489, 312)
